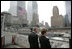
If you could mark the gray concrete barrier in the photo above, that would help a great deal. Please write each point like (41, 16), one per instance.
(22, 40)
(8, 39)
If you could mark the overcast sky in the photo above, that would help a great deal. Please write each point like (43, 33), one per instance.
(44, 9)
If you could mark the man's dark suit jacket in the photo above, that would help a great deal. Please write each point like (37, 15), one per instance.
(33, 40)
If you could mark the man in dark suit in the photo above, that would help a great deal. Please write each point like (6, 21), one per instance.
(44, 42)
(33, 39)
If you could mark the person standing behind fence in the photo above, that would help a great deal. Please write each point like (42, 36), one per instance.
(33, 39)
(44, 42)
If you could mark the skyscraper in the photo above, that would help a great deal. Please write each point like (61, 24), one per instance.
(35, 17)
(66, 20)
(35, 7)
(17, 8)
(56, 19)
(42, 22)
(29, 11)
(32, 13)
(21, 8)
(68, 10)
(55, 11)
(21, 12)
(35, 21)
(46, 25)
(13, 8)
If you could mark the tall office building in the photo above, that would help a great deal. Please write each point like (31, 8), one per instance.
(35, 17)
(46, 25)
(32, 13)
(68, 11)
(13, 8)
(56, 19)
(66, 20)
(42, 22)
(21, 12)
(35, 20)
(17, 8)
(29, 11)
(21, 8)
(35, 7)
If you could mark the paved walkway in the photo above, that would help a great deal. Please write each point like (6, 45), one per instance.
(13, 46)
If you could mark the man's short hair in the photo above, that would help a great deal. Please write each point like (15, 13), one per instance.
(43, 31)
(35, 29)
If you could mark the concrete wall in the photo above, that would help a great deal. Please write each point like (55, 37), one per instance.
(8, 39)
(22, 40)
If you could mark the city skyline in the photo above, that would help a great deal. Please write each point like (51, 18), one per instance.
(45, 6)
